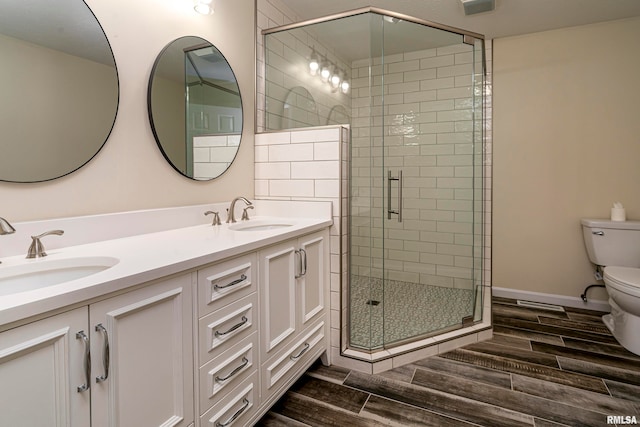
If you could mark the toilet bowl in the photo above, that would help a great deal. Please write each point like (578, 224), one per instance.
(623, 286)
(615, 245)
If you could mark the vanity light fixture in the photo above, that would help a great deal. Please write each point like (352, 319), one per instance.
(205, 7)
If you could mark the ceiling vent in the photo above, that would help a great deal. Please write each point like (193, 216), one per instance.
(472, 7)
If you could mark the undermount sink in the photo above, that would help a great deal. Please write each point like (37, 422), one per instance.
(40, 273)
(260, 225)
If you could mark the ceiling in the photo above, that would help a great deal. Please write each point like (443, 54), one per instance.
(510, 17)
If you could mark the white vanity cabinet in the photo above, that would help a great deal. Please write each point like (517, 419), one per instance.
(141, 370)
(142, 357)
(294, 284)
(41, 369)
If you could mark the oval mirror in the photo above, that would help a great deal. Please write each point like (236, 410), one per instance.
(58, 88)
(195, 108)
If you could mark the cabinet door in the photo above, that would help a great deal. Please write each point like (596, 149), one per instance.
(41, 368)
(312, 284)
(277, 287)
(142, 364)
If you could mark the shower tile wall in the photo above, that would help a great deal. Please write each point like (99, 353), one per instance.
(427, 126)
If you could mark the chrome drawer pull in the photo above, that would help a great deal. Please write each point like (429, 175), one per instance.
(245, 362)
(87, 362)
(235, 282)
(303, 351)
(236, 415)
(299, 252)
(105, 353)
(233, 328)
(598, 233)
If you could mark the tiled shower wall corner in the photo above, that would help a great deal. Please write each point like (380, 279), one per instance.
(308, 101)
(310, 164)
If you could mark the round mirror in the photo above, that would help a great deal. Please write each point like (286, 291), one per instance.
(195, 108)
(58, 88)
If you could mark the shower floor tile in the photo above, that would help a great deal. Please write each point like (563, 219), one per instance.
(401, 310)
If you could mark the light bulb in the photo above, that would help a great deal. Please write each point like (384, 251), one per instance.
(313, 67)
(335, 80)
(204, 7)
(325, 73)
(344, 86)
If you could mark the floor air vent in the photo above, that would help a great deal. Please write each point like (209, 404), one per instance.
(540, 305)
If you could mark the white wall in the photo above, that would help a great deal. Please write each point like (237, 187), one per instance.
(130, 172)
(566, 146)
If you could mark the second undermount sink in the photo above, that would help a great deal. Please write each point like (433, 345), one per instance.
(260, 225)
(41, 273)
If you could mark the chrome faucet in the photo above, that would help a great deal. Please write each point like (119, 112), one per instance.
(230, 215)
(6, 228)
(36, 250)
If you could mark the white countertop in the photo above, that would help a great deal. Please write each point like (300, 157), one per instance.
(144, 258)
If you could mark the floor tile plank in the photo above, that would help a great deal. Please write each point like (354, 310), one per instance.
(511, 341)
(528, 369)
(472, 372)
(521, 402)
(272, 419)
(333, 394)
(524, 313)
(600, 370)
(572, 396)
(390, 412)
(623, 391)
(575, 325)
(439, 402)
(527, 334)
(539, 358)
(573, 353)
(595, 347)
(553, 330)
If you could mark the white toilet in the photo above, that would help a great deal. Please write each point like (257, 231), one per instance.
(615, 245)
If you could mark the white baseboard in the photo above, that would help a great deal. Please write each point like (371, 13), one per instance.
(564, 300)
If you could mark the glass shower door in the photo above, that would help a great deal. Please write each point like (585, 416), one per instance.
(429, 180)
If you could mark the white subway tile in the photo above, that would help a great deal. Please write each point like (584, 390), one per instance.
(273, 170)
(291, 188)
(290, 152)
(315, 170)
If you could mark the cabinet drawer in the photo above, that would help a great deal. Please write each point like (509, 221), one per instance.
(222, 329)
(225, 282)
(226, 371)
(236, 408)
(280, 368)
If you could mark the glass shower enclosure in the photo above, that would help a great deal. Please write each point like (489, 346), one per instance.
(411, 93)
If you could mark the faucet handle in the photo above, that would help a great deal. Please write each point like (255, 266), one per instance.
(36, 249)
(245, 214)
(216, 217)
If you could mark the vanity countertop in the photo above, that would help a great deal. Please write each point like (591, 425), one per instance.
(145, 258)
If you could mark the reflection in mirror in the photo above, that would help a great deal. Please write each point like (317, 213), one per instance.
(195, 108)
(299, 109)
(339, 116)
(58, 88)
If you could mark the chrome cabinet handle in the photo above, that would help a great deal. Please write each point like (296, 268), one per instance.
(87, 362)
(105, 354)
(236, 415)
(228, 285)
(245, 362)
(304, 262)
(301, 268)
(233, 328)
(399, 210)
(303, 351)
(598, 233)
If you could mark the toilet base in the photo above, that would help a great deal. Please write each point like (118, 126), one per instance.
(624, 327)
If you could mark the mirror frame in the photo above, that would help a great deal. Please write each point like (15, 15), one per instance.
(150, 107)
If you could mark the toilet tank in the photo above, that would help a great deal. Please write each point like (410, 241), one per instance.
(615, 243)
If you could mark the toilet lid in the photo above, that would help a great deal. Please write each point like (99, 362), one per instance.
(623, 276)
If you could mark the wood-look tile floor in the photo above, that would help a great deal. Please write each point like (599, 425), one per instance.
(542, 368)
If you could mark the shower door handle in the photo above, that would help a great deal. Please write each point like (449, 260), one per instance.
(399, 210)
